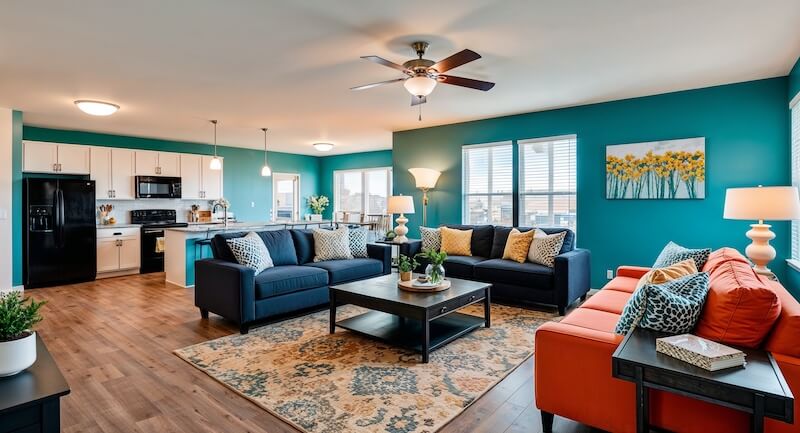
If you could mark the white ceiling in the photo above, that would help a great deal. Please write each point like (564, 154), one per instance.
(288, 65)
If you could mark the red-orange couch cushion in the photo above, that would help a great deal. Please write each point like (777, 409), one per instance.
(785, 335)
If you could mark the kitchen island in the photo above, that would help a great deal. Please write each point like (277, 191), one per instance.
(181, 247)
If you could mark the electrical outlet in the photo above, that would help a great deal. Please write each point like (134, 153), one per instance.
(252, 204)
(609, 274)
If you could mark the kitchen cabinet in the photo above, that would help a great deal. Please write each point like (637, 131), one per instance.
(112, 169)
(198, 181)
(211, 179)
(118, 251)
(41, 157)
(152, 163)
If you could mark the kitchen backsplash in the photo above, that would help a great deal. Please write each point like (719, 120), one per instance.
(122, 208)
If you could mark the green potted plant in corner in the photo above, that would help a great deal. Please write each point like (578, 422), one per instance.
(435, 269)
(317, 204)
(18, 315)
(406, 265)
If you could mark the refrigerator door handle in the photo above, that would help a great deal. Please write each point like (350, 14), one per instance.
(60, 195)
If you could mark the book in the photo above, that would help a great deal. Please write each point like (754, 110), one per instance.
(701, 352)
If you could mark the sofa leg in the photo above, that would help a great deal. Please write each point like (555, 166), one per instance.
(562, 310)
(204, 313)
(585, 295)
(244, 329)
(547, 422)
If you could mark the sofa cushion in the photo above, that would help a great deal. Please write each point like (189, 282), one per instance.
(358, 242)
(722, 255)
(431, 238)
(281, 280)
(332, 244)
(611, 301)
(461, 266)
(250, 251)
(501, 238)
(569, 238)
(341, 271)
(740, 308)
(592, 319)
(280, 246)
(303, 245)
(622, 284)
(456, 242)
(482, 238)
(669, 273)
(674, 253)
(517, 245)
(519, 274)
(784, 335)
(220, 248)
(545, 247)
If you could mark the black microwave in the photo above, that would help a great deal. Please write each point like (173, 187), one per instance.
(158, 187)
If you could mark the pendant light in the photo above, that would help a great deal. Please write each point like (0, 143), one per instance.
(265, 170)
(216, 164)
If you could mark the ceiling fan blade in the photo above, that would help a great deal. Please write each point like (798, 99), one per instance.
(384, 62)
(416, 100)
(466, 82)
(369, 86)
(456, 60)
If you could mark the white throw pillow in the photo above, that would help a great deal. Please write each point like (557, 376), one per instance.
(250, 251)
(332, 244)
(358, 243)
(545, 248)
(431, 238)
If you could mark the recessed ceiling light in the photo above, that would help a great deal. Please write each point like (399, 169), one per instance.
(323, 147)
(97, 108)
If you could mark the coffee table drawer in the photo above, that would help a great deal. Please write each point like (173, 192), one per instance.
(454, 304)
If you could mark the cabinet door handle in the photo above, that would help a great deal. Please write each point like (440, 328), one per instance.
(109, 194)
(59, 167)
(114, 193)
(55, 167)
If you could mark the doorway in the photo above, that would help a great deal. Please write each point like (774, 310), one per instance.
(286, 196)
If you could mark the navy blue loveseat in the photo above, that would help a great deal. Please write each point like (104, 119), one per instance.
(233, 291)
(520, 283)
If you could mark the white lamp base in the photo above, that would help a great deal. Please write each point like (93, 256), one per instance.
(760, 252)
(401, 230)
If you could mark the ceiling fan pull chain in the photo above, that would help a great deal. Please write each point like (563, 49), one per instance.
(420, 112)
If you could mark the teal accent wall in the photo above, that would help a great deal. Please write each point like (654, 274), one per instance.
(329, 164)
(794, 80)
(746, 127)
(16, 197)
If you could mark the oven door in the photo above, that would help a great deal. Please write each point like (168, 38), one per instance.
(152, 250)
(158, 187)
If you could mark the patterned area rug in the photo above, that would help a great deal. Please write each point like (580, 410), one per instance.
(323, 383)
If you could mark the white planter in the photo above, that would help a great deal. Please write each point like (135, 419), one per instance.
(17, 355)
(316, 217)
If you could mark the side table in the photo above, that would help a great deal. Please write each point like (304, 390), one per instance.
(409, 248)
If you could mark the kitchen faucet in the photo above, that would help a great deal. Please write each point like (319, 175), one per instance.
(224, 213)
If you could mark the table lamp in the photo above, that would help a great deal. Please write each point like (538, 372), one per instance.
(776, 203)
(426, 179)
(401, 204)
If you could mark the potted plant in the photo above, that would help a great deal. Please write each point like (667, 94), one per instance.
(435, 269)
(317, 204)
(406, 267)
(17, 338)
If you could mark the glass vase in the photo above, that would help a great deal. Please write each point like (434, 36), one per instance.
(435, 273)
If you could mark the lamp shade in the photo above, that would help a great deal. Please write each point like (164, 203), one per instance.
(425, 177)
(774, 203)
(420, 85)
(400, 204)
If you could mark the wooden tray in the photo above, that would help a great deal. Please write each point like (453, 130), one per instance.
(409, 286)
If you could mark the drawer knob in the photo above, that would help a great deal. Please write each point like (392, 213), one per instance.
(471, 298)
(443, 310)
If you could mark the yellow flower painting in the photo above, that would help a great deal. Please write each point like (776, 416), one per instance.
(672, 169)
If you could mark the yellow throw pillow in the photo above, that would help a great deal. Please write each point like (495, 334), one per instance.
(673, 272)
(517, 245)
(456, 242)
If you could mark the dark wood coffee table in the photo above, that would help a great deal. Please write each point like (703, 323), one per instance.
(422, 322)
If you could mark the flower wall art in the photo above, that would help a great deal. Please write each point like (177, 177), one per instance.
(672, 169)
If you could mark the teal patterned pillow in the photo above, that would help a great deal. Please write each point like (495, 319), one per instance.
(672, 307)
(674, 253)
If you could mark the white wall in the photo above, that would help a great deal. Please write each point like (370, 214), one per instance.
(6, 131)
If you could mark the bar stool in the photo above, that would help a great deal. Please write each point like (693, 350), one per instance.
(198, 248)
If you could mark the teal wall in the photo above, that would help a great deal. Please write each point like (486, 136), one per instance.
(793, 276)
(794, 80)
(746, 127)
(329, 164)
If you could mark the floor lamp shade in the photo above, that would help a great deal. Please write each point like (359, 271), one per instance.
(400, 204)
(425, 179)
(774, 203)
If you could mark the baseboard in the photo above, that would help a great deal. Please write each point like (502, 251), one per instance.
(117, 274)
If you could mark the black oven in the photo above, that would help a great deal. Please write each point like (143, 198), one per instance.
(153, 222)
(158, 187)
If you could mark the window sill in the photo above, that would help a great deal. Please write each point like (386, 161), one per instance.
(794, 264)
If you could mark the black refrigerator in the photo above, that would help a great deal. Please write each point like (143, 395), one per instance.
(60, 236)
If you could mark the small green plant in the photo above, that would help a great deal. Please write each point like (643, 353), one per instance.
(406, 264)
(318, 203)
(435, 258)
(17, 315)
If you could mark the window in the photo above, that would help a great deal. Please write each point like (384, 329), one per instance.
(488, 178)
(362, 191)
(796, 171)
(286, 196)
(547, 190)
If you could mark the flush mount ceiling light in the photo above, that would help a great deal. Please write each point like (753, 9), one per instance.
(265, 170)
(97, 108)
(323, 147)
(215, 164)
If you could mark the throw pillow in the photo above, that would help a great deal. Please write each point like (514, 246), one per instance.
(662, 275)
(518, 245)
(250, 251)
(544, 248)
(672, 307)
(332, 244)
(674, 253)
(456, 242)
(358, 243)
(431, 239)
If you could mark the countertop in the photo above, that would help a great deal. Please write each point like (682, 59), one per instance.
(117, 226)
(243, 226)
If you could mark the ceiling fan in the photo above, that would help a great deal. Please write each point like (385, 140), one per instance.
(423, 74)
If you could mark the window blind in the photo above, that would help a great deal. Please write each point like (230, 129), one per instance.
(361, 192)
(488, 181)
(548, 182)
(796, 174)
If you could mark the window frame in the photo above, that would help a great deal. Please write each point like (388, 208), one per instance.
(550, 194)
(464, 184)
(794, 132)
(364, 188)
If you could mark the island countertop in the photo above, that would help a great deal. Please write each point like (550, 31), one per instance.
(246, 225)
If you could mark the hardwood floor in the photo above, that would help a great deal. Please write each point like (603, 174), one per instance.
(113, 340)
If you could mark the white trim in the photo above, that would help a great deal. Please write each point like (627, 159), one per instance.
(296, 193)
(794, 100)
(794, 264)
(493, 144)
(465, 150)
(547, 139)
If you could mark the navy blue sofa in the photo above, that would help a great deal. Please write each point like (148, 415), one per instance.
(520, 283)
(296, 283)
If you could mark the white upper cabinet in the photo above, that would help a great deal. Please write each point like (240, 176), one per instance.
(211, 179)
(169, 164)
(40, 157)
(101, 173)
(152, 163)
(191, 183)
(113, 173)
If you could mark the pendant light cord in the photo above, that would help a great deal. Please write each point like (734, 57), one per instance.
(215, 137)
(265, 145)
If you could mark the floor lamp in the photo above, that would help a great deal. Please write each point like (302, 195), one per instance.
(426, 180)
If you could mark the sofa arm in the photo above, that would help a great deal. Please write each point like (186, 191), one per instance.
(632, 271)
(572, 276)
(225, 288)
(382, 253)
(572, 369)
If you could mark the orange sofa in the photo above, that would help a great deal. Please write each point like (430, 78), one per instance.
(573, 369)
